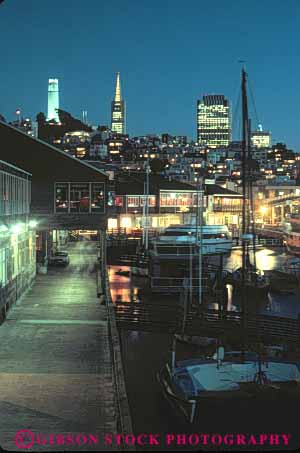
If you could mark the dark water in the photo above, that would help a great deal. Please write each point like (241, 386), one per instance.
(126, 289)
(145, 353)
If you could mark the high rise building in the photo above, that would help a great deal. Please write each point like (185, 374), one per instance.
(118, 110)
(53, 100)
(213, 121)
(261, 138)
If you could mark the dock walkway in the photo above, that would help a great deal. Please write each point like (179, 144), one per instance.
(56, 372)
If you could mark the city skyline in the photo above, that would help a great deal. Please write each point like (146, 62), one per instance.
(162, 76)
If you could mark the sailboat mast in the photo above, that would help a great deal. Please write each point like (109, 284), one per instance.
(245, 125)
(244, 150)
(146, 203)
(250, 195)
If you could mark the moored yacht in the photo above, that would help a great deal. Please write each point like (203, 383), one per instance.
(176, 251)
(177, 239)
(292, 235)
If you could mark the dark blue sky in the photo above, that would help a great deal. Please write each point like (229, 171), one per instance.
(169, 53)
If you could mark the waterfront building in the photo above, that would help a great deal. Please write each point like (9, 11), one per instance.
(53, 100)
(213, 121)
(224, 206)
(17, 235)
(118, 110)
(171, 202)
(67, 193)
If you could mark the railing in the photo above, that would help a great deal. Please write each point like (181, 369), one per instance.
(174, 250)
(271, 242)
(222, 208)
(131, 232)
(281, 198)
(210, 323)
(175, 285)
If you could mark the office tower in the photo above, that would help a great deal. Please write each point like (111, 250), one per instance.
(53, 100)
(213, 121)
(118, 110)
(261, 138)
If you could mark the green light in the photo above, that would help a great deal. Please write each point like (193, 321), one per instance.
(32, 223)
(17, 228)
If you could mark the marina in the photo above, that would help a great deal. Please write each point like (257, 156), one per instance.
(216, 327)
(153, 349)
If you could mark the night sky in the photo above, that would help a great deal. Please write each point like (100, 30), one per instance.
(168, 52)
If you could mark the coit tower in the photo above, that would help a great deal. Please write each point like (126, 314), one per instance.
(53, 100)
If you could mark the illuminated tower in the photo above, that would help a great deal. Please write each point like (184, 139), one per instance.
(213, 121)
(53, 100)
(118, 110)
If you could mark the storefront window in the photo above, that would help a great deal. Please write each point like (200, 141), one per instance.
(133, 202)
(184, 199)
(62, 197)
(79, 197)
(168, 199)
(151, 200)
(98, 197)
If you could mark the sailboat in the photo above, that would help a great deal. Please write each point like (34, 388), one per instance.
(248, 279)
(245, 376)
(191, 386)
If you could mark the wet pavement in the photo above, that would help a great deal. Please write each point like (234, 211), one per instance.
(55, 360)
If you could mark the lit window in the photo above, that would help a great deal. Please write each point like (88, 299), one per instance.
(112, 223)
(132, 202)
(98, 197)
(79, 197)
(62, 197)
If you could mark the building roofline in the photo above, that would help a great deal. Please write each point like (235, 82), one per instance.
(15, 167)
(63, 153)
